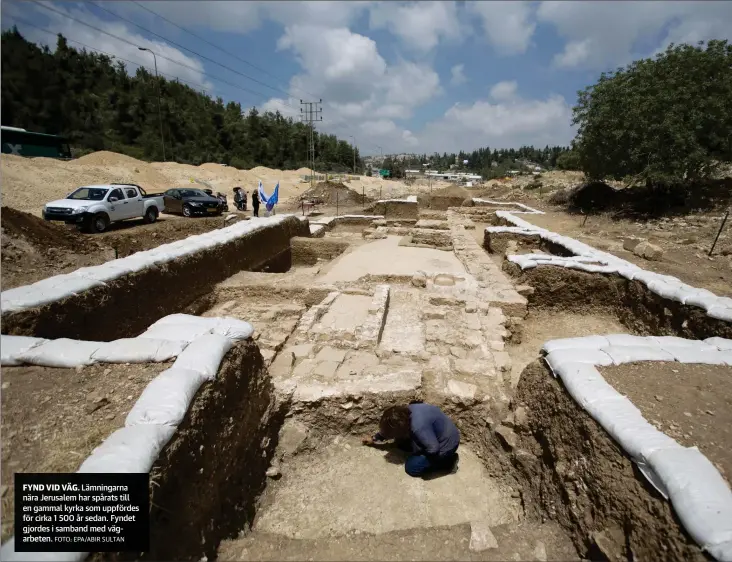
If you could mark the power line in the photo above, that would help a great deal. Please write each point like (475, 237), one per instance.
(128, 42)
(138, 4)
(189, 50)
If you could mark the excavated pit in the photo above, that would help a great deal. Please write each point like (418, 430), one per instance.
(538, 479)
(268, 463)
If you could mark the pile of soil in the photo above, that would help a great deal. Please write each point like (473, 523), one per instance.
(453, 191)
(326, 192)
(33, 249)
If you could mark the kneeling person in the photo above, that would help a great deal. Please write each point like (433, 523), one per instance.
(431, 436)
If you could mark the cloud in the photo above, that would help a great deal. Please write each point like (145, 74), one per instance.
(363, 94)
(190, 68)
(508, 26)
(344, 64)
(502, 122)
(243, 17)
(607, 34)
(419, 25)
(504, 91)
(458, 75)
(411, 84)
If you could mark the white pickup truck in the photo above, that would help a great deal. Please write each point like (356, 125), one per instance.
(94, 207)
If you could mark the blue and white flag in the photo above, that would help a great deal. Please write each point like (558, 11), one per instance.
(262, 195)
(272, 201)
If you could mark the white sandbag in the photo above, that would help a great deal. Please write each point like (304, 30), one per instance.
(186, 319)
(621, 354)
(692, 355)
(13, 346)
(584, 383)
(699, 494)
(186, 331)
(587, 342)
(129, 449)
(45, 291)
(627, 426)
(103, 273)
(557, 358)
(696, 293)
(138, 350)
(628, 339)
(667, 342)
(62, 353)
(204, 355)
(720, 343)
(233, 328)
(720, 313)
(8, 554)
(701, 300)
(166, 399)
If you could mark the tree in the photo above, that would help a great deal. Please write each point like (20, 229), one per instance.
(568, 160)
(97, 105)
(661, 120)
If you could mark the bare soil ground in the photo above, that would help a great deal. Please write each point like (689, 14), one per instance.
(33, 249)
(691, 403)
(53, 418)
(515, 542)
(685, 242)
(541, 326)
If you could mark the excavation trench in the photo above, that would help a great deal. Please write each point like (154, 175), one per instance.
(537, 474)
(268, 463)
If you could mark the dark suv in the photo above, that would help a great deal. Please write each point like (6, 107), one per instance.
(191, 202)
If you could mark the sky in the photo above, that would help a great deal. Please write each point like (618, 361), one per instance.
(393, 76)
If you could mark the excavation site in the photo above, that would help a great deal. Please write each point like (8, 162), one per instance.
(242, 368)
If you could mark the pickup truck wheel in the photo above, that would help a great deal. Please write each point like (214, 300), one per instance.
(187, 212)
(99, 223)
(151, 215)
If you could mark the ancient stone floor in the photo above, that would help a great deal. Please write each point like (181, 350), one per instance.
(387, 317)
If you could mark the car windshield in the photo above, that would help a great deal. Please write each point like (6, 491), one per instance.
(89, 193)
(192, 193)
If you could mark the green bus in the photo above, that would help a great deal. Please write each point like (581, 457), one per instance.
(25, 143)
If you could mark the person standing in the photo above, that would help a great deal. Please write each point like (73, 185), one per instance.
(255, 203)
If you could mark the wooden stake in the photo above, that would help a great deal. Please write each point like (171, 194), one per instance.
(724, 220)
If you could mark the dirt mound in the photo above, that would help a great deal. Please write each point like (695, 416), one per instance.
(326, 192)
(452, 191)
(106, 158)
(303, 171)
(17, 225)
(594, 196)
(33, 248)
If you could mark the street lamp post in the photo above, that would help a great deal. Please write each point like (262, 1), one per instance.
(160, 113)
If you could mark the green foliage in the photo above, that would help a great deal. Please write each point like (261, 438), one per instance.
(397, 169)
(481, 161)
(569, 160)
(93, 102)
(659, 120)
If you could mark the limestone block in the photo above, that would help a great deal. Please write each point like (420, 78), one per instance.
(463, 392)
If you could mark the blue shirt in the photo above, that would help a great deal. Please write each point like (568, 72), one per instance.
(432, 432)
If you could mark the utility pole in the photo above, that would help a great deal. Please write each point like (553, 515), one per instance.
(160, 114)
(354, 154)
(311, 114)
